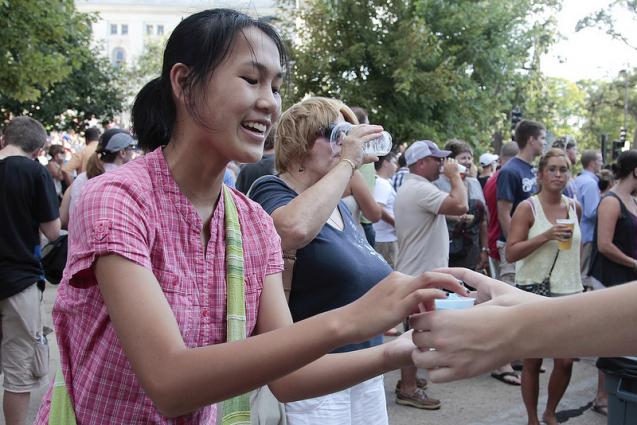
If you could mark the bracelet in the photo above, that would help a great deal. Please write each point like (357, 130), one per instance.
(486, 249)
(350, 163)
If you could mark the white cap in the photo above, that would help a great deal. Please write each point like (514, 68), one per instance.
(488, 159)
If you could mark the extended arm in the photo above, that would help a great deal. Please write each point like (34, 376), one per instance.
(456, 203)
(480, 339)
(178, 379)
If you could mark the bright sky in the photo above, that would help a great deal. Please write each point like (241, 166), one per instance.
(590, 53)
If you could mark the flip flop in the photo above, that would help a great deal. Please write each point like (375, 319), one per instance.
(502, 377)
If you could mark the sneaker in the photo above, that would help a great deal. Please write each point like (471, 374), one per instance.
(420, 383)
(418, 399)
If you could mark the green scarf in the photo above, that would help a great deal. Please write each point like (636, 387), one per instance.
(236, 411)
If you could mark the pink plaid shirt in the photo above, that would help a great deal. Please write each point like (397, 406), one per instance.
(139, 213)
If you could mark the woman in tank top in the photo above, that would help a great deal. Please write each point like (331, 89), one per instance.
(614, 259)
(534, 244)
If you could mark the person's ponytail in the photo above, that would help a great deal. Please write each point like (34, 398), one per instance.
(94, 166)
(153, 115)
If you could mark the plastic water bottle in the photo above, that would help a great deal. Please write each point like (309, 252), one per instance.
(378, 147)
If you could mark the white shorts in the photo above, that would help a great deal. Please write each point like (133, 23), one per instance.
(362, 404)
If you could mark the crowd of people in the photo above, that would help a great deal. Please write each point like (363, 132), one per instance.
(266, 254)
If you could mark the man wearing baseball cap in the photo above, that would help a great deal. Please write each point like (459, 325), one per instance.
(488, 164)
(423, 239)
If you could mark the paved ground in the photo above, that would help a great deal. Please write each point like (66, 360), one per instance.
(477, 401)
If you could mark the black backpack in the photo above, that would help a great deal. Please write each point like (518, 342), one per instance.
(54, 259)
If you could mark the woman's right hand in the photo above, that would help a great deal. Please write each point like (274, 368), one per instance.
(352, 143)
(393, 299)
(559, 232)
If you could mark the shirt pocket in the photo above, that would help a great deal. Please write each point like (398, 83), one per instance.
(181, 297)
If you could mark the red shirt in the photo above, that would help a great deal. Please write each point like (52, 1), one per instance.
(139, 213)
(490, 189)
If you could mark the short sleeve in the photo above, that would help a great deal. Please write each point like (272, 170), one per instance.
(47, 204)
(431, 198)
(271, 193)
(275, 255)
(382, 191)
(507, 181)
(110, 218)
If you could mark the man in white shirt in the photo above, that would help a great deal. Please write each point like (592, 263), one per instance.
(385, 195)
(423, 239)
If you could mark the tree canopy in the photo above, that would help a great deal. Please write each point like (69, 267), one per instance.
(424, 69)
(48, 68)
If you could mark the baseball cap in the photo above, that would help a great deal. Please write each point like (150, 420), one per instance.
(488, 159)
(422, 149)
(115, 140)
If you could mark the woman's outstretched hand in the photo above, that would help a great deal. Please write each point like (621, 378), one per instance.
(460, 344)
(393, 299)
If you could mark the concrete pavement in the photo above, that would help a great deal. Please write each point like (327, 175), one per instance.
(478, 401)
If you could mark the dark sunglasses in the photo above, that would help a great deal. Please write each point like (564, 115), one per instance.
(327, 131)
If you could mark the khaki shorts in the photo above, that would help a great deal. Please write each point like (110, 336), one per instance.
(389, 251)
(506, 270)
(24, 350)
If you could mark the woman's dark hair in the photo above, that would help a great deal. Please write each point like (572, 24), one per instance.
(201, 42)
(55, 149)
(389, 157)
(458, 147)
(95, 163)
(606, 179)
(625, 164)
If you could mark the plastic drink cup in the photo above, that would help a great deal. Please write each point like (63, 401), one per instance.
(379, 146)
(566, 243)
(454, 302)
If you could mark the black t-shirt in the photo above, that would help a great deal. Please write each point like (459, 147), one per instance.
(27, 198)
(334, 269)
(250, 172)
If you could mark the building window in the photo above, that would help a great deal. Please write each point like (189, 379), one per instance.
(160, 30)
(118, 57)
(149, 30)
(113, 29)
(124, 29)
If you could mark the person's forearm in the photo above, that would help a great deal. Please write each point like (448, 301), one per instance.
(68, 179)
(504, 217)
(562, 327)
(332, 373)
(302, 219)
(519, 250)
(387, 217)
(458, 190)
(365, 199)
(188, 379)
(610, 251)
(484, 234)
